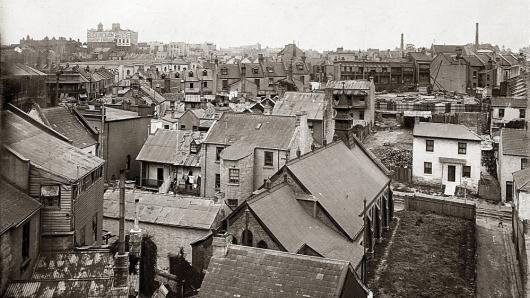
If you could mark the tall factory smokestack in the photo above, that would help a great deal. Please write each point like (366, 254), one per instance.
(476, 36)
(402, 47)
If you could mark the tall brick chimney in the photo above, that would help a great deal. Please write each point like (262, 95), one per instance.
(476, 36)
(402, 46)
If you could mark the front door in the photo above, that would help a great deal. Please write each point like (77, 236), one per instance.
(160, 175)
(451, 171)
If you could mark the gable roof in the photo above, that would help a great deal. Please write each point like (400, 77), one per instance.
(522, 179)
(349, 85)
(341, 178)
(293, 102)
(113, 114)
(282, 213)
(68, 124)
(272, 273)
(172, 147)
(177, 211)
(232, 71)
(256, 130)
(38, 143)
(15, 206)
(419, 56)
(510, 102)
(515, 142)
(444, 131)
(473, 60)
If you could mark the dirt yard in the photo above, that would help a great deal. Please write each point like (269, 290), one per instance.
(392, 147)
(428, 256)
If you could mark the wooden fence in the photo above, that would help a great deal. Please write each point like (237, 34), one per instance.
(440, 205)
(403, 175)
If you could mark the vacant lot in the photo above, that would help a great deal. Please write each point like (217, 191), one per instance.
(392, 147)
(429, 256)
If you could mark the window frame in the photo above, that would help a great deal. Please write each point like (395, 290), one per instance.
(425, 167)
(462, 149)
(429, 146)
(217, 182)
(26, 239)
(524, 163)
(218, 153)
(501, 112)
(466, 174)
(268, 159)
(233, 176)
(522, 113)
(43, 199)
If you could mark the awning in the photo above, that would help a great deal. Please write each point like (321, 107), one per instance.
(452, 160)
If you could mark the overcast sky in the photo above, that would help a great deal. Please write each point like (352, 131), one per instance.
(321, 25)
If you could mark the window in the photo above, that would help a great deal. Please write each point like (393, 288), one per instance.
(204, 73)
(50, 195)
(474, 74)
(225, 84)
(361, 115)
(256, 81)
(193, 147)
(262, 244)
(217, 182)
(194, 128)
(429, 145)
(191, 85)
(268, 159)
(302, 79)
(183, 127)
(166, 126)
(427, 167)
(232, 202)
(246, 238)
(218, 153)
(205, 84)
(271, 82)
(466, 171)
(255, 70)
(95, 227)
(270, 69)
(128, 162)
(190, 74)
(524, 163)
(509, 191)
(462, 148)
(501, 113)
(522, 113)
(224, 71)
(300, 67)
(233, 176)
(25, 241)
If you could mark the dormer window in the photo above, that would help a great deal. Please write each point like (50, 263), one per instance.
(204, 73)
(255, 70)
(300, 67)
(224, 71)
(269, 69)
(193, 147)
(190, 74)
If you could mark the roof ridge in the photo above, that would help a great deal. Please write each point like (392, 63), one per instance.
(311, 153)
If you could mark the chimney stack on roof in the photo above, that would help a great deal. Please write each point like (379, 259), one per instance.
(476, 36)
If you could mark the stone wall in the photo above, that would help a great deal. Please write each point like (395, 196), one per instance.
(238, 224)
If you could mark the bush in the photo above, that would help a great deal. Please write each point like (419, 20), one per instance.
(148, 284)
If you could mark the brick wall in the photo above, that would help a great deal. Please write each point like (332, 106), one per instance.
(237, 226)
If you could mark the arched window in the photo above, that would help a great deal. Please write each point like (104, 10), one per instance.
(262, 244)
(246, 238)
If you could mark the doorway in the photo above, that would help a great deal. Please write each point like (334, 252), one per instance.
(160, 175)
(451, 173)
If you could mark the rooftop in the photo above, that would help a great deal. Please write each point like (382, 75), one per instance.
(272, 274)
(444, 131)
(45, 148)
(509, 102)
(172, 147)
(113, 114)
(349, 85)
(515, 142)
(15, 206)
(293, 102)
(177, 211)
(522, 179)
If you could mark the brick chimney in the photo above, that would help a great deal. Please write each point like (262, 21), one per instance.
(260, 58)
(220, 244)
(476, 36)
(304, 136)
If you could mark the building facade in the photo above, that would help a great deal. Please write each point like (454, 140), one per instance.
(513, 155)
(116, 37)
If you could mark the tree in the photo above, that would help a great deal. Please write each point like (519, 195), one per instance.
(188, 278)
(148, 284)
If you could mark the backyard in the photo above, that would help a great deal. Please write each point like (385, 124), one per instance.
(424, 255)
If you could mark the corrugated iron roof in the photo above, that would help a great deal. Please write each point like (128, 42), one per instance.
(24, 70)
(45, 150)
(293, 102)
(522, 179)
(248, 272)
(445, 131)
(515, 142)
(178, 211)
(172, 147)
(350, 84)
(15, 206)
(341, 178)
(509, 102)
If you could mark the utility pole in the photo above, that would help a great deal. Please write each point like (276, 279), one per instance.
(121, 239)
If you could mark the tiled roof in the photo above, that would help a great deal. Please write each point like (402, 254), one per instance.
(522, 179)
(15, 206)
(69, 125)
(284, 216)
(172, 147)
(515, 142)
(340, 178)
(254, 272)
(293, 102)
(349, 85)
(177, 211)
(445, 131)
(232, 71)
(72, 273)
(509, 102)
(264, 131)
(44, 149)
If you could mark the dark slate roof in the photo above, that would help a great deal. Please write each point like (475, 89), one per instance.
(451, 49)
(249, 73)
(177, 211)
(284, 216)
(293, 102)
(509, 102)
(515, 142)
(63, 288)
(15, 206)
(277, 68)
(473, 60)
(172, 147)
(341, 178)
(24, 70)
(349, 85)
(522, 179)
(68, 124)
(256, 130)
(44, 147)
(254, 272)
(113, 114)
(232, 71)
(444, 131)
(419, 56)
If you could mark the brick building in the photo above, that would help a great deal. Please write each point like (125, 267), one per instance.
(115, 38)
(67, 181)
(243, 150)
